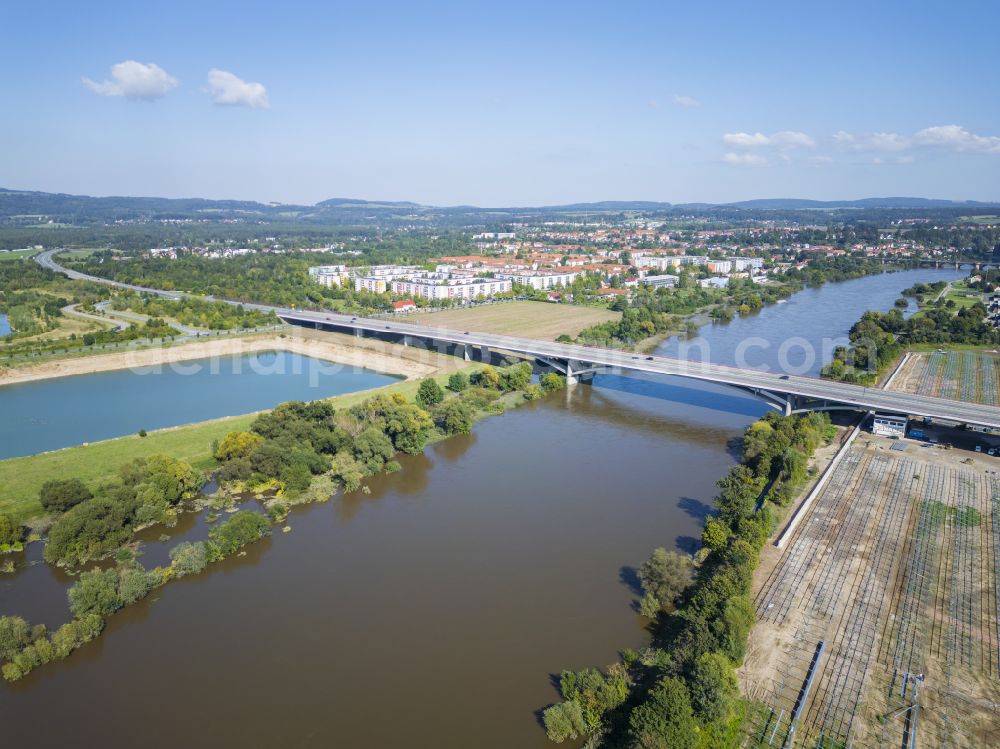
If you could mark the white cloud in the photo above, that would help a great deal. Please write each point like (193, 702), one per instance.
(134, 80)
(745, 140)
(228, 90)
(957, 138)
(784, 140)
(745, 159)
(870, 141)
(948, 137)
(905, 159)
(820, 160)
(687, 102)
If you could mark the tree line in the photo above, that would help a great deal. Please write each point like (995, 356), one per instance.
(682, 690)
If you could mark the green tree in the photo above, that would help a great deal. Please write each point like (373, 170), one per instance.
(665, 720)
(237, 445)
(96, 592)
(455, 417)
(14, 635)
(458, 382)
(429, 393)
(713, 688)
(716, 535)
(563, 721)
(188, 558)
(551, 382)
(58, 495)
(11, 532)
(665, 575)
(243, 528)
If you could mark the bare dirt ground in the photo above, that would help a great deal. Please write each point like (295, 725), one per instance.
(334, 347)
(895, 571)
(530, 319)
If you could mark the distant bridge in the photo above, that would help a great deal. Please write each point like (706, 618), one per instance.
(787, 393)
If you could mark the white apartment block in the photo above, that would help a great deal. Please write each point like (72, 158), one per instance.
(455, 288)
(330, 275)
(720, 266)
(665, 281)
(540, 280)
(746, 263)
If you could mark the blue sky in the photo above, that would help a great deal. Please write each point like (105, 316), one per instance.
(503, 103)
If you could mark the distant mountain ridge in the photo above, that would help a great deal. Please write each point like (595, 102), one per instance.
(21, 206)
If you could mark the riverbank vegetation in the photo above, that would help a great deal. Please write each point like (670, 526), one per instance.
(296, 453)
(652, 313)
(682, 690)
(878, 339)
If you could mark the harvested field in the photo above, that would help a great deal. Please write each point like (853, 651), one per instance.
(878, 623)
(530, 319)
(969, 376)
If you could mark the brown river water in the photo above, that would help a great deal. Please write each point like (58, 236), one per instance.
(430, 613)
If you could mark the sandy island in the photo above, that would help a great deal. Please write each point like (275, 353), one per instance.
(332, 347)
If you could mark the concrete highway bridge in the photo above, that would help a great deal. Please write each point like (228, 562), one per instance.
(787, 393)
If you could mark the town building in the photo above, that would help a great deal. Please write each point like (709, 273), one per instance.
(665, 281)
(333, 276)
(540, 279)
(433, 287)
(889, 425)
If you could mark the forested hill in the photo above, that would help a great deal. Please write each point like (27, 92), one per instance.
(25, 208)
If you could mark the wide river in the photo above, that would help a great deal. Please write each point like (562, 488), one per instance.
(432, 612)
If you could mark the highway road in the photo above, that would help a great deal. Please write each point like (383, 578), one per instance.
(773, 383)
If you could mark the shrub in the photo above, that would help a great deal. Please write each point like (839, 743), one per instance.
(458, 382)
(487, 377)
(455, 417)
(133, 583)
(297, 478)
(11, 532)
(237, 445)
(346, 469)
(665, 575)
(188, 558)
(551, 382)
(533, 392)
(373, 448)
(241, 529)
(713, 688)
(58, 495)
(665, 720)
(429, 393)
(90, 529)
(14, 635)
(716, 535)
(96, 592)
(563, 721)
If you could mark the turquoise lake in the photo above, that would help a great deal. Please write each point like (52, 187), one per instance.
(64, 411)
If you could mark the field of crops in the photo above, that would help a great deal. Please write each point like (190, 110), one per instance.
(969, 376)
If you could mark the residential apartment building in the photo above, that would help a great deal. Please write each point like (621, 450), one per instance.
(540, 279)
(330, 275)
(451, 288)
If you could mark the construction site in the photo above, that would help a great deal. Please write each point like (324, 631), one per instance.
(877, 617)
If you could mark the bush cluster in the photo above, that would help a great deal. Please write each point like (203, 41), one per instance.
(146, 491)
